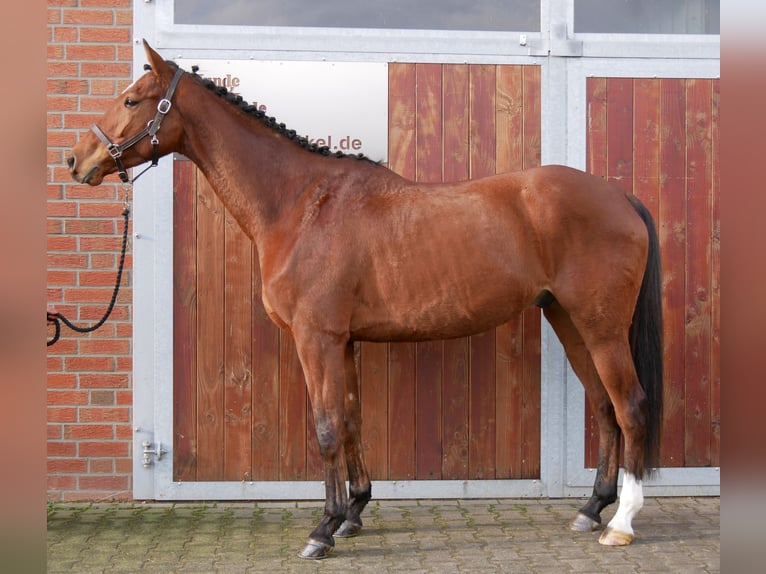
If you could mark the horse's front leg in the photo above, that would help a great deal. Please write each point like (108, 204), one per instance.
(322, 358)
(360, 488)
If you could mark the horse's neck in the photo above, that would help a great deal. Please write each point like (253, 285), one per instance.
(246, 163)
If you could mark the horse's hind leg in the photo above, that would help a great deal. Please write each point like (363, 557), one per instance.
(605, 486)
(360, 488)
(614, 363)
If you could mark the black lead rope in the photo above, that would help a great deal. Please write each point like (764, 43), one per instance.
(57, 318)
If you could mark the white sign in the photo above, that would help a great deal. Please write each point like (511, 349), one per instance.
(341, 105)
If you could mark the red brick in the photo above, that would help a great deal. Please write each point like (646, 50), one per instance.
(67, 260)
(77, 191)
(126, 331)
(54, 121)
(66, 465)
(108, 483)
(105, 70)
(65, 69)
(117, 347)
(102, 382)
(64, 34)
(54, 432)
(62, 380)
(61, 209)
(102, 87)
(102, 398)
(102, 209)
(94, 313)
(66, 398)
(124, 398)
(88, 364)
(62, 86)
(54, 365)
(102, 449)
(124, 432)
(62, 139)
(112, 243)
(97, 278)
(61, 103)
(83, 431)
(54, 17)
(101, 466)
(79, 16)
(104, 414)
(80, 52)
(62, 243)
(57, 482)
(61, 448)
(112, 34)
(123, 465)
(63, 3)
(106, 3)
(54, 226)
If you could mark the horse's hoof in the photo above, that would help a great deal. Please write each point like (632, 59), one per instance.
(348, 530)
(612, 537)
(315, 550)
(582, 523)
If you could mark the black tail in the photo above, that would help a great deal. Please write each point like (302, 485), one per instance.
(646, 340)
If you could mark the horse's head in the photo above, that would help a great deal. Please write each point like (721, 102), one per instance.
(139, 126)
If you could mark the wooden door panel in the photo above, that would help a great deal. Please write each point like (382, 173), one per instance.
(658, 138)
(458, 409)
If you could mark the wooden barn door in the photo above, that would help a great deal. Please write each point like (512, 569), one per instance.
(459, 409)
(659, 139)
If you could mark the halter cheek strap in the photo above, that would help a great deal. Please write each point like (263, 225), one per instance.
(151, 129)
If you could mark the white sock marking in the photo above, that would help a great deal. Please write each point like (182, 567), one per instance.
(631, 501)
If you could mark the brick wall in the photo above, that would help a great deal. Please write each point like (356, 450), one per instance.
(89, 376)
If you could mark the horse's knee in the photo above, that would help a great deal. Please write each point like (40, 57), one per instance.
(329, 435)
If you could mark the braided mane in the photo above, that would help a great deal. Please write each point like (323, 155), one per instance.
(270, 121)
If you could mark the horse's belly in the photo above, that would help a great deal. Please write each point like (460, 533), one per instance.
(438, 313)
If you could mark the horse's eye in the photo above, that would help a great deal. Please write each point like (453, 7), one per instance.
(130, 103)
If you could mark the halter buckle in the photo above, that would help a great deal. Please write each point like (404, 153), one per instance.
(164, 105)
(114, 151)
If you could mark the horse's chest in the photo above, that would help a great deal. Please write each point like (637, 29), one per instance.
(273, 315)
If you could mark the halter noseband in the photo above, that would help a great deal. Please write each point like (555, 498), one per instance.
(151, 129)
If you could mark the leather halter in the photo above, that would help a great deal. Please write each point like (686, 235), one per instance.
(151, 129)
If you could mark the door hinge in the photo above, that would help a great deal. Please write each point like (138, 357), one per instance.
(149, 451)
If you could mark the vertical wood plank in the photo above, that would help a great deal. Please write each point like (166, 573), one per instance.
(456, 351)
(596, 161)
(596, 154)
(292, 412)
(265, 395)
(482, 359)
(530, 413)
(619, 125)
(237, 313)
(509, 338)
(401, 414)
(428, 354)
(373, 379)
(532, 117)
(715, 282)
(646, 146)
(672, 232)
(698, 288)
(210, 332)
(184, 322)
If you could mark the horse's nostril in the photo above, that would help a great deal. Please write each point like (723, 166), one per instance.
(70, 162)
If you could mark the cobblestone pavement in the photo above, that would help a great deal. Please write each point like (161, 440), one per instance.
(677, 535)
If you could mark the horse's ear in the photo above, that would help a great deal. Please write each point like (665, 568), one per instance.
(159, 66)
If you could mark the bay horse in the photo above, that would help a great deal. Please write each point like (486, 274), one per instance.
(350, 251)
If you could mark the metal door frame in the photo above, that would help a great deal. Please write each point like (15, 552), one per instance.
(565, 59)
